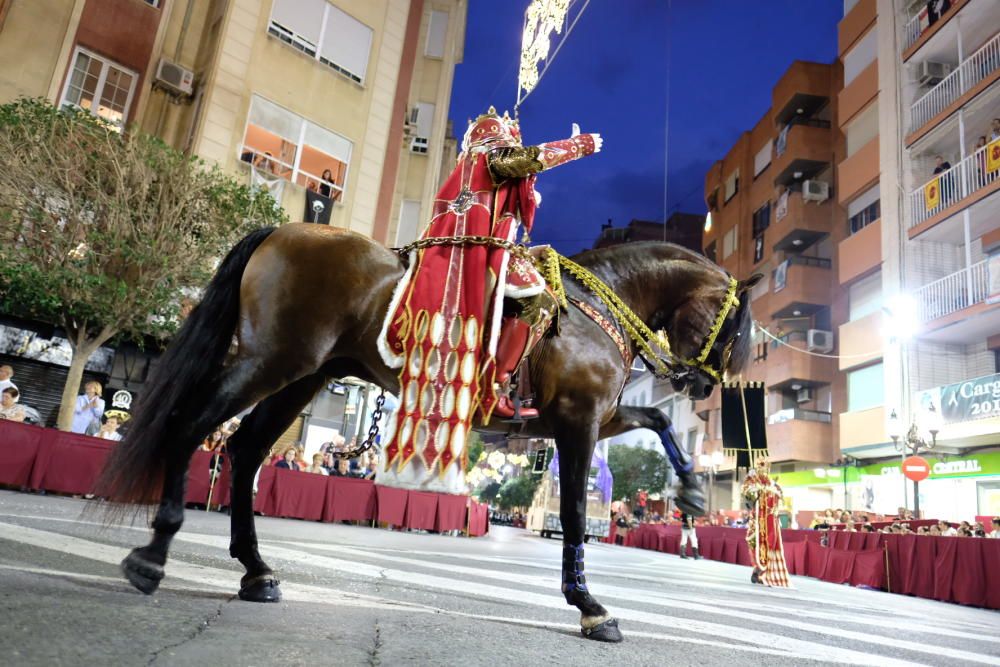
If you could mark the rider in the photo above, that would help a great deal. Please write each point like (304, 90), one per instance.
(446, 330)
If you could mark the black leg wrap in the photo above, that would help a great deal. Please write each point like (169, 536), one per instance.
(573, 581)
(604, 632)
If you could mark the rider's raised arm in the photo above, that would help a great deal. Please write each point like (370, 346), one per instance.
(518, 162)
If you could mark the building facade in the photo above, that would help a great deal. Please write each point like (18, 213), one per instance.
(921, 110)
(338, 107)
(681, 228)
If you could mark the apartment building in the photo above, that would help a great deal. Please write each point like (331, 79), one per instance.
(338, 107)
(919, 181)
(773, 210)
(681, 228)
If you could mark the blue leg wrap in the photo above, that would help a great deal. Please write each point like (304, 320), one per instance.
(572, 571)
(679, 459)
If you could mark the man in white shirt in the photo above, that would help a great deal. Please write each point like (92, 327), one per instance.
(995, 533)
(946, 529)
(6, 373)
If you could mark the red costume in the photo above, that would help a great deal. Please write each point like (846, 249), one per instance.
(767, 554)
(443, 326)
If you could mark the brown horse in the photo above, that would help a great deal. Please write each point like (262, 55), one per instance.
(306, 302)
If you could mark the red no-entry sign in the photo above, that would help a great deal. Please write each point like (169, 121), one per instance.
(916, 468)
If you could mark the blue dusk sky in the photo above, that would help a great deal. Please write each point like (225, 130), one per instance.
(722, 57)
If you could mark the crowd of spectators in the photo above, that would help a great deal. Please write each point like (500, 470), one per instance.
(900, 524)
(324, 461)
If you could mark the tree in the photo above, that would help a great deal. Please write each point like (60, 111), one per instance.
(101, 232)
(473, 449)
(635, 469)
(489, 492)
(518, 491)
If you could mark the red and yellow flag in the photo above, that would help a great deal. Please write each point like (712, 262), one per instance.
(993, 156)
(932, 194)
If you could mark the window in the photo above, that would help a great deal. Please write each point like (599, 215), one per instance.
(861, 56)
(692, 440)
(864, 388)
(325, 33)
(153, 3)
(729, 243)
(710, 251)
(422, 121)
(864, 210)
(762, 219)
(282, 144)
(100, 86)
(763, 158)
(732, 185)
(865, 297)
(862, 129)
(437, 33)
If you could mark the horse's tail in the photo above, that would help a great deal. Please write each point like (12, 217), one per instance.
(134, 472)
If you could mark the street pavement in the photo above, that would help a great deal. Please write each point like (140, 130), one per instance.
(362, 596)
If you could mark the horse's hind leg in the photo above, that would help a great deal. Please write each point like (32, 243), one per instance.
(143, 567)
(576, 447)
(247, 449)
(690, 496)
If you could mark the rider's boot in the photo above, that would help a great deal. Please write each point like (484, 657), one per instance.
(514, 334)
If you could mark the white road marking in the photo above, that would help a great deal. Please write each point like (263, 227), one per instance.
(786, 646)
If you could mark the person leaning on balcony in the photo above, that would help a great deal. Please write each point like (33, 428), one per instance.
(995, 129)
(980, 158)
(9, 409)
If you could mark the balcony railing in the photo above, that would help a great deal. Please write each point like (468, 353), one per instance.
(973, 69)
(950, 187)
(953, 293)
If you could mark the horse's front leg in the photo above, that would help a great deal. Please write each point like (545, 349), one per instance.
(690, 497)
(576, 446)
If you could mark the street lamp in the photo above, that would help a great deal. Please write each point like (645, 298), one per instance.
(711, 462)
(912, 444)
(846, 461)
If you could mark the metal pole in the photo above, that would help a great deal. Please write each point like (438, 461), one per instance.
(916, 501)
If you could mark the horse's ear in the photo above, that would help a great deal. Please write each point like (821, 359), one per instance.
(749, 283)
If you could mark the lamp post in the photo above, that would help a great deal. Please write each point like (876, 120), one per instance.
(846, 461)
(711, 462)
(912, 444)
(901, 323)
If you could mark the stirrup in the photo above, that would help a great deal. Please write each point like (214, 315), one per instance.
(512, 410)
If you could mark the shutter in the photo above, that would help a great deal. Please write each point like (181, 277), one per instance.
(41, 385)
(289, 437)
(346, 42)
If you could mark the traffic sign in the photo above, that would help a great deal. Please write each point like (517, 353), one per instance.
(916, 468)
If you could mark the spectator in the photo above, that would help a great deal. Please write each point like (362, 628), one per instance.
(946, 529)
(214, 441)
(922, 530)
(867, 528)
(995, 129)
(845, 517)
(324, 186)
(934, 530)
(343, 468)
(372, 469)
(89, 409)
(978, 530)
(9, 409)
(288, 460)
(300, 456)
(109, 429)
(329, 463)
(995, 533)
(6, 373)
(317, 465)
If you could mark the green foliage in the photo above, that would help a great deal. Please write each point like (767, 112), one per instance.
(635, 469)
(518, 492)
(102, 232)
(474, 448)
(489, 492)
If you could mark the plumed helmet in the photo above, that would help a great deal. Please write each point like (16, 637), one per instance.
(491, 129)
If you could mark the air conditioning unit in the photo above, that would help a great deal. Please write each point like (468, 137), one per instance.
(930, 73)
(175, 78)
(419, 145)
(818, 340)
(815, 190)
(804, 395)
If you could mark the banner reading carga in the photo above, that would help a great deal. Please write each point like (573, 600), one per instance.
(978, 398)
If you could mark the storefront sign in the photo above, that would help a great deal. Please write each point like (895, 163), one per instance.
(983, 464)
(978, 398)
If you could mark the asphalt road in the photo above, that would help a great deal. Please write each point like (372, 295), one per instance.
(362, 596)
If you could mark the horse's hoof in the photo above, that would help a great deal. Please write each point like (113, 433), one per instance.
(261, 589)
(690, 498)
(141, 573)
(604, 632)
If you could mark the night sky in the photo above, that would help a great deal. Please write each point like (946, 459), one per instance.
(723, 57)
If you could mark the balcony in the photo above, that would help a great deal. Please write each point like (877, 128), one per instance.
(798, 224)
(858, 172)
(801, 287)
(862, 429)
(787, 367)
(861, 252)
(973, 74)
(860, 341)
(802, 151)
(919, 27)
(800, 435)
(951, 191)
(958, 291)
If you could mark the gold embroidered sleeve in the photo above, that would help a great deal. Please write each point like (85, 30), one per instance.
(514, 162)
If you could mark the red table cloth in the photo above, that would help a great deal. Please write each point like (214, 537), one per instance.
(349, 499)
(421, 509)
(299, 495)
(19, 444)
(391, 505)
(451, 512)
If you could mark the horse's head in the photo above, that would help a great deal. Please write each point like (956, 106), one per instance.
(710, 334)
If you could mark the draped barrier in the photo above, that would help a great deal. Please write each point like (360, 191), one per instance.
(950, 569)
(46, 459)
